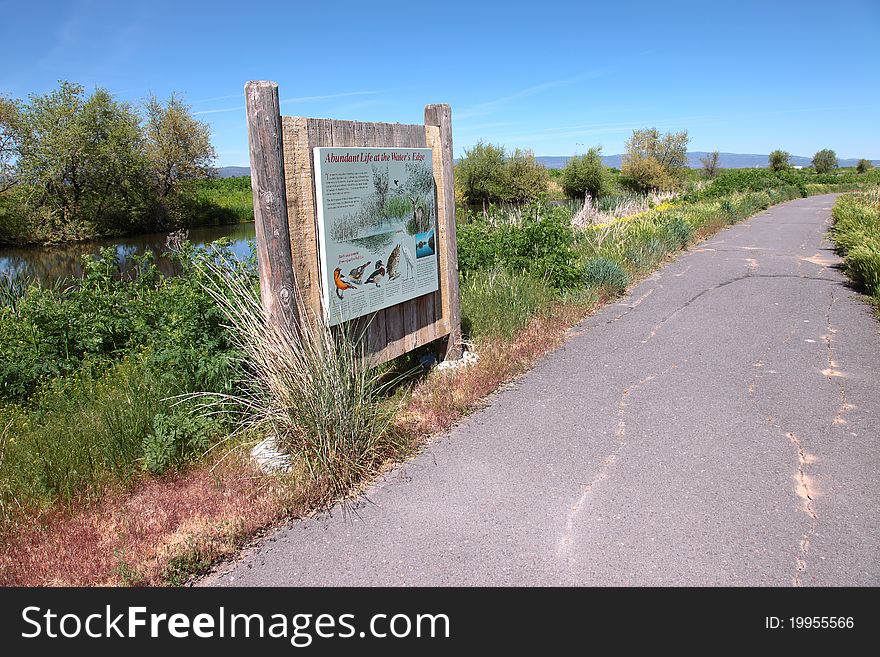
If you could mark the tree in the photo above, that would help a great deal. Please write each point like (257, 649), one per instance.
(585, 174)
(10, 137)
(779, 160)
(524, 178)
(710, 164)
(178, 146)
(825, 160)
(654, 161)
(81, 157)
(864, 165)
(480, 173)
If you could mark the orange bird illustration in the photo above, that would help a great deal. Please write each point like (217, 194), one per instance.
(341, 283)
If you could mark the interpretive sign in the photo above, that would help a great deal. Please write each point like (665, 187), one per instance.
(377, 222)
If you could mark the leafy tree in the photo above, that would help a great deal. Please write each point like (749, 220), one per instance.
(524, 178)
(585, 174)
(81, 157)
(779, 160)
(654, 161)
(178, 146)
(480, 173)
(710, 164)
(10, 118)
(825, 160)
(864, 165)
(75, 165)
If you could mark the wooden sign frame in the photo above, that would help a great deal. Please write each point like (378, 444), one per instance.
(283, 183)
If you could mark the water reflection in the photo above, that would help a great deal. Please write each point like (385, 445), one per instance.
(50, 263)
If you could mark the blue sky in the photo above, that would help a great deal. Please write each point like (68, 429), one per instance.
(554, 77)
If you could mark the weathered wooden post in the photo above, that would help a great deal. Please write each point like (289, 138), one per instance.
(277, 282)
(440, 116)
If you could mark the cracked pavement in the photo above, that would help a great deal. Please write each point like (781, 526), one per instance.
(717, 426)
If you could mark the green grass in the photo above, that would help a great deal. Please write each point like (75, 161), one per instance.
(220, 201)
(856, 236)
(497, 303)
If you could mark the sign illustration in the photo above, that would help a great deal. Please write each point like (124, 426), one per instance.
(377, 223)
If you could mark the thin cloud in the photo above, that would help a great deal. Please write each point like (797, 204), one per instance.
(490, 106)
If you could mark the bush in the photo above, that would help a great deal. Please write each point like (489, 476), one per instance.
(525, 179)
(585, 174)
(603, 272)
(864, 166)
(643, 175)
(177, 437)
(654, 161)
(487, 174)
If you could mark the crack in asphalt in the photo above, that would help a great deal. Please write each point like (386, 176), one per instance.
(805, 487)
(717, 286)
(566, 540)
(833, 374)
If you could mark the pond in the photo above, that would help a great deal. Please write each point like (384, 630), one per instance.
(50, 263)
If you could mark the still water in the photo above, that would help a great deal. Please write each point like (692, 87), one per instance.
(49, 263)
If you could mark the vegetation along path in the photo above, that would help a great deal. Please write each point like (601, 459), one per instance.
(718, 426)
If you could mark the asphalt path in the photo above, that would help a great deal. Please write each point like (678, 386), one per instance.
(720, 425)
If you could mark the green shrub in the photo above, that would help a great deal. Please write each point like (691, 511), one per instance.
(606, 273)
(177, 437)
(864, 166)
(585, 174)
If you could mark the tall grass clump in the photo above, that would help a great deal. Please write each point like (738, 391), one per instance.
(856, 235)
(309, 390)
(497, 303)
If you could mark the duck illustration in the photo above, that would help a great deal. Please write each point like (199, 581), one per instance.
(356, 273)
(377, 274)
(341, 283)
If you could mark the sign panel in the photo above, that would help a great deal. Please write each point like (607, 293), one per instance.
(377, 221)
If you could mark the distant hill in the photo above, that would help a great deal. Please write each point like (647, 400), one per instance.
(233, 172)
(725, 161)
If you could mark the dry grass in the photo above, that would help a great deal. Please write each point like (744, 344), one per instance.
(136, 537)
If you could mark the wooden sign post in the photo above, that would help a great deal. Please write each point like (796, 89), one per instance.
(285, 212)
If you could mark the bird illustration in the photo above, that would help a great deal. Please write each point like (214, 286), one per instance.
(377, 274)
(393, 261)
(341, 283)
(356, 273)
